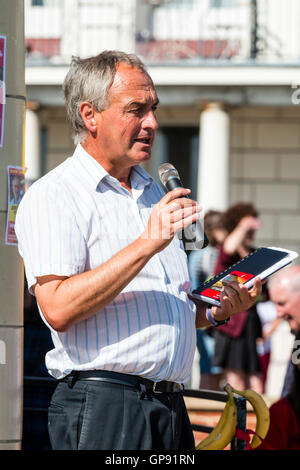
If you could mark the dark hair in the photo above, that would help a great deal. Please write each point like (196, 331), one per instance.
(235, 213)
(212, 220)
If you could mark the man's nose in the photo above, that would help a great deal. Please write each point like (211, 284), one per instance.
(280, 311)
(150, 121)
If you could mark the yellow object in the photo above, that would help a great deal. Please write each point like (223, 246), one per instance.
(262, 414)
(224, 431)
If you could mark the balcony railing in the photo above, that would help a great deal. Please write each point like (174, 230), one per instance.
(165, 31)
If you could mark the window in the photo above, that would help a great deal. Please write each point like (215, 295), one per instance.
(181, 148)
(178, 4)
(37, 3)
(223, 3)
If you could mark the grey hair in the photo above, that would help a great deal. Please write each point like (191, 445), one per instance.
(89, 80)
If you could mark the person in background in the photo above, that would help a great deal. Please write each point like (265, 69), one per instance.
(235, 348)
(284, 431)
(16, 190)
(284, 289)
(201, 267)
(269, 321)
(202, 262)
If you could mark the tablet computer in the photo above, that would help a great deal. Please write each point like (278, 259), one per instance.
(262, 263)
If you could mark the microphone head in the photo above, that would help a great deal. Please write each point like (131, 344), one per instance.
(167, 171)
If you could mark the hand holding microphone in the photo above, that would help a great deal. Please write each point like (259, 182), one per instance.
(193, 234)
(169, 216)
(174, 213)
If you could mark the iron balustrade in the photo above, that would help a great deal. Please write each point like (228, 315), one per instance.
(236, 444)
(168, 31)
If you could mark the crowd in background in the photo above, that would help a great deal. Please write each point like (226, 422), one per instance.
(239, 352)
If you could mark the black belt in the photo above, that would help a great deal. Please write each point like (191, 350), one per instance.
(123, 379)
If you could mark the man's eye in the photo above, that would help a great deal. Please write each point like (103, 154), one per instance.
(135, 111)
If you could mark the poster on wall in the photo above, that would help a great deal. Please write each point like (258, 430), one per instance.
(2, 85)
(16, 190)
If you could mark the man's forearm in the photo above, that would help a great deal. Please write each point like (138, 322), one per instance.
(78, 297)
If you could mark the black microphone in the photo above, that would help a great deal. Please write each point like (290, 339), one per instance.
(194, 236)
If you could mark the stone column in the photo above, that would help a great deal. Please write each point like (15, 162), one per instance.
(32, 145)
(213, 169)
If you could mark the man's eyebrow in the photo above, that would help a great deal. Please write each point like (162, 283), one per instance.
(141, 103)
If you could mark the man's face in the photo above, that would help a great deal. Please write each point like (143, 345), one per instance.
(16, 188)
(127, 127)
(287, 305)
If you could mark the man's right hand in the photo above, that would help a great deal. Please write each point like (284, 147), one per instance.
(169, 216)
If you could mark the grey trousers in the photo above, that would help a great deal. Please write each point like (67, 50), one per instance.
(107, 416)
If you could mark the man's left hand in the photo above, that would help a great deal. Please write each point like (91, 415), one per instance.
(236, 298)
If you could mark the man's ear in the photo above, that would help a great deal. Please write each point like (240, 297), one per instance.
(88, 116)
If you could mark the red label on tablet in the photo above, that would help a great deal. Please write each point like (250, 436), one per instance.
(214, 291)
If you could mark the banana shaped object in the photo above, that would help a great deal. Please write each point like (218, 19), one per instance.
(262, 414)
(224, 431)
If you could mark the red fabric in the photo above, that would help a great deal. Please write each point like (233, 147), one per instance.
(237, 322)
(264, 360)
(284, 431)
(246, 436)
(224, 261)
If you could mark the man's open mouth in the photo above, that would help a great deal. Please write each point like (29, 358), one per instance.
(143, 140)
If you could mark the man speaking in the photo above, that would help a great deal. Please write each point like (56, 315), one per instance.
(102, 256)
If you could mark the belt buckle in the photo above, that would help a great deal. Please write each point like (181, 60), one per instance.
(175, 389)
(154, 388)
(178, 387)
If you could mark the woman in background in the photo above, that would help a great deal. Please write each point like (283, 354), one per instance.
(201, 266)
(235, 348)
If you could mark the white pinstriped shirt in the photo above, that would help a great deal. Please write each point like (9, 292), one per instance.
(74, 219)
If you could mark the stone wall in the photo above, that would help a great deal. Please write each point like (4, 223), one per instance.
(265, 169)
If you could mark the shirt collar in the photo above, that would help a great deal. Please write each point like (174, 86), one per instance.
(93, 170)
(139, 177)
